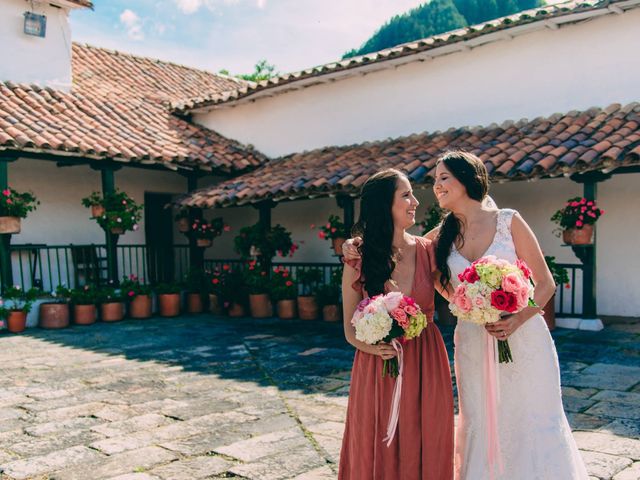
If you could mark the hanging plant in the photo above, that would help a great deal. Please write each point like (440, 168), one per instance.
(205, 232)
(121, 213)
(576, 220)
(14, 206)
(432, 218)
(253, 240)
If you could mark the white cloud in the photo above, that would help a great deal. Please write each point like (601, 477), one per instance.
(134, 26)
(189, 6)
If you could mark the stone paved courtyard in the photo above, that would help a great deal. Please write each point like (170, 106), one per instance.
(205, 397)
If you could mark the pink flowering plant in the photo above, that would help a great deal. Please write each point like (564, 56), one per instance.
(209, 230)
(334, 228)
(490, 288)
(385, 318)
(132, 286)
(16, 204)
(121, 211)
(577, 213)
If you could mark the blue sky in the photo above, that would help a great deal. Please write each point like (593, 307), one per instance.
(235, 34)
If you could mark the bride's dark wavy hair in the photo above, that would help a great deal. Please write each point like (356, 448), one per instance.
(375, 226)
(471, 172)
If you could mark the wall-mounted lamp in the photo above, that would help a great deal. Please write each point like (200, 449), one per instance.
(35, 24)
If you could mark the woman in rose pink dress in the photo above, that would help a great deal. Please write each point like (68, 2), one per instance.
(394, 260)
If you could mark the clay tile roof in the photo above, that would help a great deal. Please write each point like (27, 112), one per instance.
(118, 109)
(526, 150)
(548, 15)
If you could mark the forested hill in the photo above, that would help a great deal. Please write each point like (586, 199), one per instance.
(439, 16)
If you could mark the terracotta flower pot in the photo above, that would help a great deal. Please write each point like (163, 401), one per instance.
(183, 225)
(169, 304)
(54, 315)
(236, 310)
(337, 245)
(331, 313)
(566, 236)
(260, 305)
(550, 313)
(140, 306)
(84, 314)
(9, 224)
(308, 308)
(97, 211)
(214, 304)
(194, 303)
(112, 311)
(286, 309)
(582, 236)
(117, 230)
(17, 321)
(204, 242)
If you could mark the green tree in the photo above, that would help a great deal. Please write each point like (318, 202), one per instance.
(263, 70)
(438, 16)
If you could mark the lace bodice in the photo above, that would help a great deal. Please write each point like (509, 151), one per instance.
(502, 246)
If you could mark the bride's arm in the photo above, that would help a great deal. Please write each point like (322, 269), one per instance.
(527, 249)
(350, 300)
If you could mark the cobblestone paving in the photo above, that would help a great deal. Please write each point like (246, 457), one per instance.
(203, 397)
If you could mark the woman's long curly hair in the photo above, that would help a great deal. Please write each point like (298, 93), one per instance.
(375, 226)
(471, 172)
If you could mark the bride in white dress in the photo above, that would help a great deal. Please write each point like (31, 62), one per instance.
(534, 437)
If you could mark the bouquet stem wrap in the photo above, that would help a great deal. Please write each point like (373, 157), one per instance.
(394, 414)
(491, 404)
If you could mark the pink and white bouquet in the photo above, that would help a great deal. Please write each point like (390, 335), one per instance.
(490, 288)
(385, 318)
(393, 318)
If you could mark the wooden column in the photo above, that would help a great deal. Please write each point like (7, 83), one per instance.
(111, 240)
(6, 272)
(264, 220)
(347, 204)
(196, 254)
(587, 253)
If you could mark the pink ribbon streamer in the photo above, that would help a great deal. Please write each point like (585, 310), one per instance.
(394, 415)
(491, 403)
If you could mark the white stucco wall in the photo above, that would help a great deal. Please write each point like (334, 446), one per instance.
(29, 59)
(541, 73)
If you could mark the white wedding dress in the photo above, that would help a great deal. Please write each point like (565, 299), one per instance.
(535, 439)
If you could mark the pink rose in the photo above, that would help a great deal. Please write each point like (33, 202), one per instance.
(479, 302)
(411, 310)
(392, 300)
(470, 275)
(523, 298)
(461, 300)
(401, 317)
(512, 283)
(524, 268)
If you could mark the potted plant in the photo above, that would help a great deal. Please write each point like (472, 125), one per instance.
(561, 278)
(182, 219)
(335, 231)
(284, 291)
(215, 283)
(84, 305)
(328, 297)
(307, 304)
(196, 287)
(255, 241)
(14, 206)
(576, 220)
(96, 203)
(16, 303)
(111, 304)
(169, 299)
(138, 295)
(432, 218)
(55, 313)
(204, 232)
(234, 291)
(257, 281)
(121, 212)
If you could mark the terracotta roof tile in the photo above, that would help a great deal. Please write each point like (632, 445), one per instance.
(118, 108)
(530, 152)
(570, 11)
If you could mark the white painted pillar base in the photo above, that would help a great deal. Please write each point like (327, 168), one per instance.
(591, 324)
